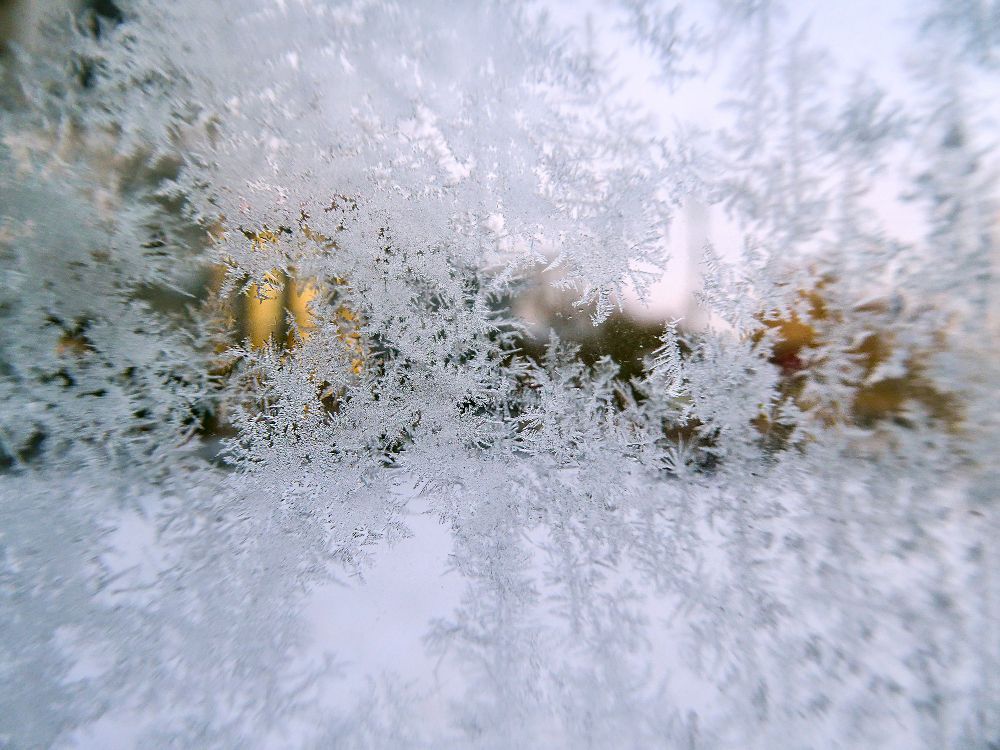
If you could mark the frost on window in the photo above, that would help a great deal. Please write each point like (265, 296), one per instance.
(530, 374)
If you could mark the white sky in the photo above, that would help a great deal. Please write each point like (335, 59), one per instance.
(859, 35)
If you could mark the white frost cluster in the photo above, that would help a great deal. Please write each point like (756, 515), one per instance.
(725, 551)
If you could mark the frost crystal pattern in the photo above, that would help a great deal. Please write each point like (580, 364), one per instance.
(305, 439)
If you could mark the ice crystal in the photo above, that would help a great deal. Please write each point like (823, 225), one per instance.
(264, 373)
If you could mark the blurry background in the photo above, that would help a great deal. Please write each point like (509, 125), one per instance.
(878, 48)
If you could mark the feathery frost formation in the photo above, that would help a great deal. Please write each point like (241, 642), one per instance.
(782, 534)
